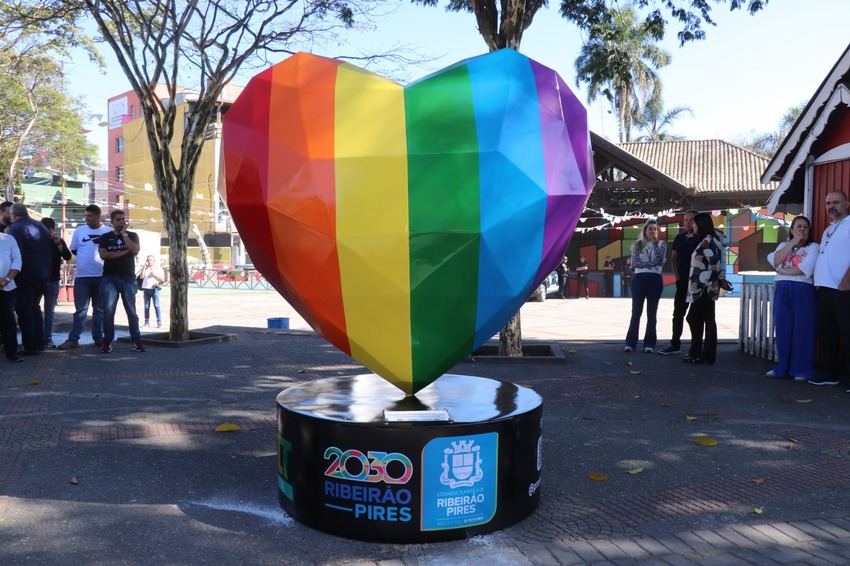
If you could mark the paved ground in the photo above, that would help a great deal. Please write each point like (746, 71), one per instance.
(113, 459)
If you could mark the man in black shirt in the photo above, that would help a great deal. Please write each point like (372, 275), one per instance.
(60, 252)
(563, 271)
(683, 247)
(628, 271)
(118, 250)
(608, 267)
(581, 277)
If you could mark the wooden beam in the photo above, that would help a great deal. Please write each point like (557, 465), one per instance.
(639, 184)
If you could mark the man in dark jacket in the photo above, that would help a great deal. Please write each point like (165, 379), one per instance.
(60, 252)
(36, 246)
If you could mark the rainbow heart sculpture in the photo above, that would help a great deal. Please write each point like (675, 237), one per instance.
(407, 224)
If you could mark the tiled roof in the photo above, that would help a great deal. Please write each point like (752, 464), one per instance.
(707, 166)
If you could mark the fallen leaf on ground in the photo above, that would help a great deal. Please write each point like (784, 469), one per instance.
(227, 427)
(634, 371)
(34, 382)
(667, 405)
(596, 476)
(704, 441)
(74, 481)
(607, 363)
(690, 418)
(300, 371)
(758, 480)
(803, 400)
(571, 351)
(628, 363)
(758, 510)
(635, 471)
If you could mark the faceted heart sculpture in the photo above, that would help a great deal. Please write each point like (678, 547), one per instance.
(406, 224)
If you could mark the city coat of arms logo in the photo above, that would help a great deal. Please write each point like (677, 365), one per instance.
(461, 464)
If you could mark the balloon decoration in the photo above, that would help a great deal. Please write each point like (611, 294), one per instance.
(406, 224)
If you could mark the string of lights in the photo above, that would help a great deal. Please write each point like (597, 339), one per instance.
(631, 220)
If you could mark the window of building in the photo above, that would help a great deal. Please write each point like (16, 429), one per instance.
(119, 145)
(119, 173)
(132, 111)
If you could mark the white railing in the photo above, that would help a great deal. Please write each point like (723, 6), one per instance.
(756, 335)
(229, 279)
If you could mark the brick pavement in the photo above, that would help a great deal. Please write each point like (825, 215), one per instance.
(156, 485)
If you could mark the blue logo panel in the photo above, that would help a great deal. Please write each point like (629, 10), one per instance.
(459, 481)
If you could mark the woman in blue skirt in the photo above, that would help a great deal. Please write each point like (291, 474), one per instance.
(794, 303)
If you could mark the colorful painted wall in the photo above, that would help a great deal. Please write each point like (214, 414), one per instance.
(750, 235)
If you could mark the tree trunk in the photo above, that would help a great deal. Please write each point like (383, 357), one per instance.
(178, 233)
(510, 338)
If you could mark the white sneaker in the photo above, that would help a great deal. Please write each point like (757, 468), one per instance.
(800, 379)
(771, 373)
(648, 350)
(629, 349)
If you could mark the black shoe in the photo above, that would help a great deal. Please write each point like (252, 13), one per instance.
(692, 359)
(669, 351)
(15, 358)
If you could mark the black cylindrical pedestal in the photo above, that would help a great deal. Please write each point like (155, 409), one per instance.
(358, 458)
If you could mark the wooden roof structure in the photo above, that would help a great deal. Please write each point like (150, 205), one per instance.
(655, 176)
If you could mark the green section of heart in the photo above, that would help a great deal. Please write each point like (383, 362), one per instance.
(443, 193)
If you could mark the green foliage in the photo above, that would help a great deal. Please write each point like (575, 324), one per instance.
(619, 61)
(654, 120)
(767, 143)
(493, 18)
(692, 15)
(500, 24)
(39, 124)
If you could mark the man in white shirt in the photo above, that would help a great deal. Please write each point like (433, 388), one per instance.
(832, 279)
(85, 244)
(10, 266)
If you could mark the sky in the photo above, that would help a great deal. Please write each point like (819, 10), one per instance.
(741, 79)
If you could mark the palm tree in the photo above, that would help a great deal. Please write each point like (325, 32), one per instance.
(654, 120)
(767, 143)
(620, 60)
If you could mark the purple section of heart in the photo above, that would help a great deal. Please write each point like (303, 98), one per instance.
(568, 166)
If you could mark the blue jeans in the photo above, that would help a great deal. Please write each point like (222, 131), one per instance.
(152, 294)
(110, 287)
(50, 297)
(645, 287)
(87, 290)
